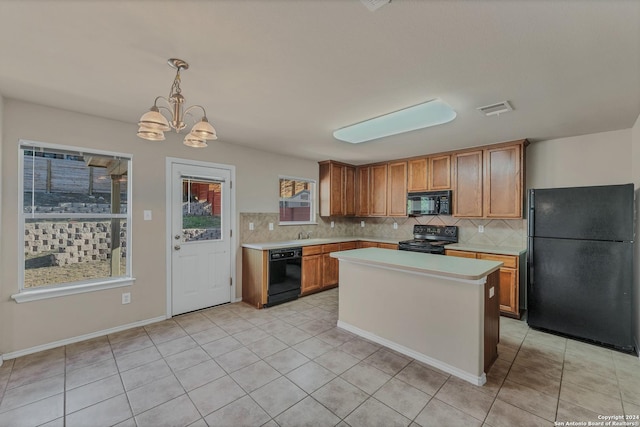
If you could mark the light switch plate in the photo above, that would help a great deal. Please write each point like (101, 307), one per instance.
(147, 215)
(251, 226)
(126, 297)
(270, 226)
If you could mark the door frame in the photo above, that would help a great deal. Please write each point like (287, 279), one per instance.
(170, 161)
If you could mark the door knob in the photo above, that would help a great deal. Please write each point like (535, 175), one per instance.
(176, 247)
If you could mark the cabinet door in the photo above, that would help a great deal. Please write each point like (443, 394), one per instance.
(397, 189)
(345, 246)
(329, 270)
(467, 192)
(503, 182)
(349, 190)
(509, 292)
(336, 193)
(378, 190)
(311, 273)
(440, 173)
(417, 175)
(363, 192)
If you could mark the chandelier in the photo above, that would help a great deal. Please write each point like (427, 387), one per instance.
(153, 124)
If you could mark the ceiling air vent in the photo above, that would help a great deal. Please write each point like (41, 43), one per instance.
(374, 5)
(496, 109)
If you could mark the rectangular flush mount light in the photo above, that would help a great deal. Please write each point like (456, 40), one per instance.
(430, 113)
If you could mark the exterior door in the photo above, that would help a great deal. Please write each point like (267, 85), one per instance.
(200, 237)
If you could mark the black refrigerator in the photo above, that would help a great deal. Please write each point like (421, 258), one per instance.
(580, 261)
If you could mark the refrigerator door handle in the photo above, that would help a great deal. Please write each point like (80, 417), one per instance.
(531, 211)
(530, 283)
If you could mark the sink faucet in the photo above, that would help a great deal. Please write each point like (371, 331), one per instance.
(302, 235)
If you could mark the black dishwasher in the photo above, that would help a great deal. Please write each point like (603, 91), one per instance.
(285, 275)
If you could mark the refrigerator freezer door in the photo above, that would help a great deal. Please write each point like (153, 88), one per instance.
(583, 289)
(590, 213)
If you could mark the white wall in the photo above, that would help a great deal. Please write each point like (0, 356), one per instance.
(594, 159)
(26, 325)
(635, 157)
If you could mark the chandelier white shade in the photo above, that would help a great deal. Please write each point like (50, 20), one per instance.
(153, 123)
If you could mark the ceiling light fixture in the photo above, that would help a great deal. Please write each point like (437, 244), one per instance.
(153, 124)
(430, 113)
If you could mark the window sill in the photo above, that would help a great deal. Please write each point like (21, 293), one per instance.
(40, 294)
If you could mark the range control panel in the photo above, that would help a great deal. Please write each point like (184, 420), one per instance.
(436, 232)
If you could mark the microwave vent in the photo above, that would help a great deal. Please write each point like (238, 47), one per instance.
(496, 109)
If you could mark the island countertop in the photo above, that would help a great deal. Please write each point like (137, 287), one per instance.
(445, 266)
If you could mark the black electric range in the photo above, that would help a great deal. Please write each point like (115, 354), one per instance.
(430, 239)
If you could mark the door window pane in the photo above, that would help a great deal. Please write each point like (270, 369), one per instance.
(201, 210)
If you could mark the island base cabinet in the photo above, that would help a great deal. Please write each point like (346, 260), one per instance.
(452, 342)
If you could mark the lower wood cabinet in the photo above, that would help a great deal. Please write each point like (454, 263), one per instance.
(509, 278)
(311, 273)
(319, 270)
(366, 244)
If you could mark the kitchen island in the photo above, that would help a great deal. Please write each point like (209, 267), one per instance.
(439, 310)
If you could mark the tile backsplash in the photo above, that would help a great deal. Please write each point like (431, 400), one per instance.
(497, 232)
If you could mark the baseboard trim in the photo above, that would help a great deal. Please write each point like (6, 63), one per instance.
(67, 341)
(467, 376)
(237, 300)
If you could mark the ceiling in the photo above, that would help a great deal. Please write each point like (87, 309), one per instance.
(282, 75)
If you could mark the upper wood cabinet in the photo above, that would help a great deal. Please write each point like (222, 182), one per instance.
(503, 182)
(429, 173)
(488, 183)
(363, 193)
(397, 189)
(467, 178)
(378, 190)
(440, 172)
(417, 179)
(337, 189)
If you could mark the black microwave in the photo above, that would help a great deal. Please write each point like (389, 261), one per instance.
(429, 203)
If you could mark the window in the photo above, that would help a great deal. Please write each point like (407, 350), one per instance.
(297, 197)
(75, 219)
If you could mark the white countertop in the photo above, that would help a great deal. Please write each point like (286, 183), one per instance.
(500, 250)
(309, 242)
(446, 266)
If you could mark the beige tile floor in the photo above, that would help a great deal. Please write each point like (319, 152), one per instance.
(290, 366)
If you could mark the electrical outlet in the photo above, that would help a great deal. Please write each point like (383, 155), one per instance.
(362, 224)
(270, 226)
(395, 225)
(126, 297)
(251, 226)
(333, 224)
(147, 215)
(481, 229)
